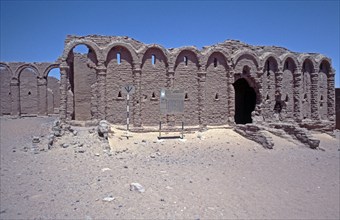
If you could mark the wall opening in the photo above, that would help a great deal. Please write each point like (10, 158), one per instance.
(153, 59)
(245, 100)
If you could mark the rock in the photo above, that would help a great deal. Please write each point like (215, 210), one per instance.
(103, 129)
(152, 156)
(35, 139)
(75, 133)
(108, 199)
(105, 169)
(65, 145)
(97, 155)
(80, 151)
(137, 187)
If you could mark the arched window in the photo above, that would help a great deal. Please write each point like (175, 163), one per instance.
(215, 62)
(153, 59)
(118, 58)
(185, 60)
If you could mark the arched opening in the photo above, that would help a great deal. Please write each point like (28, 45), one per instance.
(28, 92)
(53, 91)
(82, 79)
(245, 100)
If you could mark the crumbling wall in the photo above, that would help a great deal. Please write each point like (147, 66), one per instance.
(337, 108)
(28, 92)
(119, 74)
(53, 97)
(153, 78)
(186, 71)
(84, 78)
(216, 91)
(5, 91)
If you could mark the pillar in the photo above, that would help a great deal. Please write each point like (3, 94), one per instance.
(42, 96)
(201, 99)
(297, 93)
(314, 95)
(279, 78)
(231, 96)
(64, 68)
(15, 97)
(137, 105)
(331, 96)
(101, 89)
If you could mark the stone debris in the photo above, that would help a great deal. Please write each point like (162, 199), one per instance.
(103, 129)
(108, 199)
(255, 133)
(105, 169)
(137, 187)
(36, 139)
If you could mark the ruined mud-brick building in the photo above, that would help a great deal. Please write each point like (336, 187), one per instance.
(223, 83)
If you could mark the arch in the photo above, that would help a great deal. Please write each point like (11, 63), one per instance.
(127, 46)
(191, 49)
(286, 56)
(5, 65)
(303, 57)
(24, 66)
(266, 56)
(239, 54)
(49, 68)
(206, 55)
(245, 101)
(322, 59)
(72, 44)
(145, 49)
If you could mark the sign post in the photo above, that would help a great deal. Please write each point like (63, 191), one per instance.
(128, 89)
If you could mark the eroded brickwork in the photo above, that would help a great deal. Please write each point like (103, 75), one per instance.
(221, 82)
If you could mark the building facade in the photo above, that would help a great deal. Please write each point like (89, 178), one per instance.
(230, 82)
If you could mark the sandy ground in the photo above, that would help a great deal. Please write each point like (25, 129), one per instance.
(219, 176)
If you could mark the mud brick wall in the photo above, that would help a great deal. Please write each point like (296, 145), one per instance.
(281, 85)
(337, 95)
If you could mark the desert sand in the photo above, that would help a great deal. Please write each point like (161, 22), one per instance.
(216, 174)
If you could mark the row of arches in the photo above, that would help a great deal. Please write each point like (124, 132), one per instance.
(27, 90)
(208, 78)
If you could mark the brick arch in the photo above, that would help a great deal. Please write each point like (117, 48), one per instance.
(2, 64)
(69, 47)
(205, 57)
(253, 82)
(304, 57)
(127, 46)
(284, 57)
(49, 68)
(323, 59)
(145, 49)
(191, 49)
(24, 66)
(243, 53)
(268, 55)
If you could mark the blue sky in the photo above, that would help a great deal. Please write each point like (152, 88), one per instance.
(36, 30)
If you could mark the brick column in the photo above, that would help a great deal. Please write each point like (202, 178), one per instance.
(331, 96)
(297, 93)
(42, 96)
(279, 78)
(101, 89)
(201, 99)
(64, 68)
(137, 105)
(171, 75)
(231, 96)
(314, 95)
(15, 97)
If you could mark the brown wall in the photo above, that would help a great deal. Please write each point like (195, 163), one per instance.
(337, 98)
(5, 91)
(28, 92)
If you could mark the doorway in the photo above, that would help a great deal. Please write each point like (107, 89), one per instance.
(245, 101)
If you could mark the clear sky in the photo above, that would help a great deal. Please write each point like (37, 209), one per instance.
(36, 30)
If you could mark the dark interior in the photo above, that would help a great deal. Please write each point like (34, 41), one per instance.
(245, 100)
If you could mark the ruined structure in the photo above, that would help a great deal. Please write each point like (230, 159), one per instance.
(223, 83)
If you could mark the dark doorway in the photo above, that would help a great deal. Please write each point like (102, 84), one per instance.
(245, 100)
